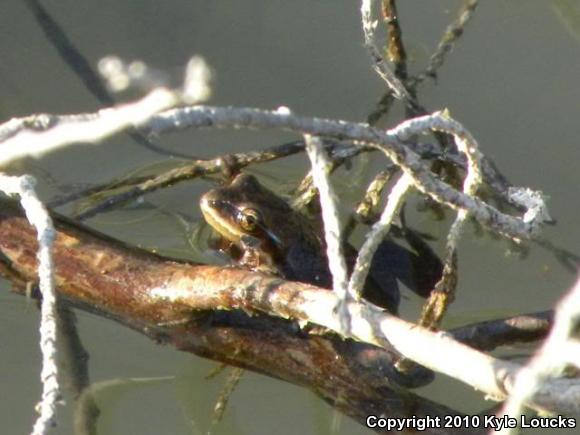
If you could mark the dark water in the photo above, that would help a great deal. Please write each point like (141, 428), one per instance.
(513, 81)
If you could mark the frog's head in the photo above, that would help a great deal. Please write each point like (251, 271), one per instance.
(246, 208)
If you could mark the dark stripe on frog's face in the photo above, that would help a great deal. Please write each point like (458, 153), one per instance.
(228, 208)
(221, 216)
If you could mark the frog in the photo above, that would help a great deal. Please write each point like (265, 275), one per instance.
(259, 230)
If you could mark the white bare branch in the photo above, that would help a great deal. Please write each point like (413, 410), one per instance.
(377, 233)
(39, 134)
(330, 219)
(389, 142)
(38, 216)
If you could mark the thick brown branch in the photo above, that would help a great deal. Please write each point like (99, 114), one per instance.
(132, 286)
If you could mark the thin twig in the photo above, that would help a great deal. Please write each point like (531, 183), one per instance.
(377, 233)
(233, 379)
(38, 216)
(395, 47)
(328, 200)
(192, 170)
(379, 64)
(367, 209)
(451, 35)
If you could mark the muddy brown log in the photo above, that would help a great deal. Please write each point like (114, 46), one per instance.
(97, 273)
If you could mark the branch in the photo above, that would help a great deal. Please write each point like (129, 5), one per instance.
(377, 233)
(451, 35)
(330, 219)
(169, 301)
(197, 168)
(37, 135)
(163, 298)
(489, 335)
(388, 142)
(560, 350)
(38, 216)
(379, 63)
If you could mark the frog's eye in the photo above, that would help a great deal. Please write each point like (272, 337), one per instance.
(249, 219)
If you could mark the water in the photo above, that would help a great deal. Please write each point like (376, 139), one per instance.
(512, 80)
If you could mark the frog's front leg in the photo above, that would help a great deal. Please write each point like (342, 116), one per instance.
(255, 258)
